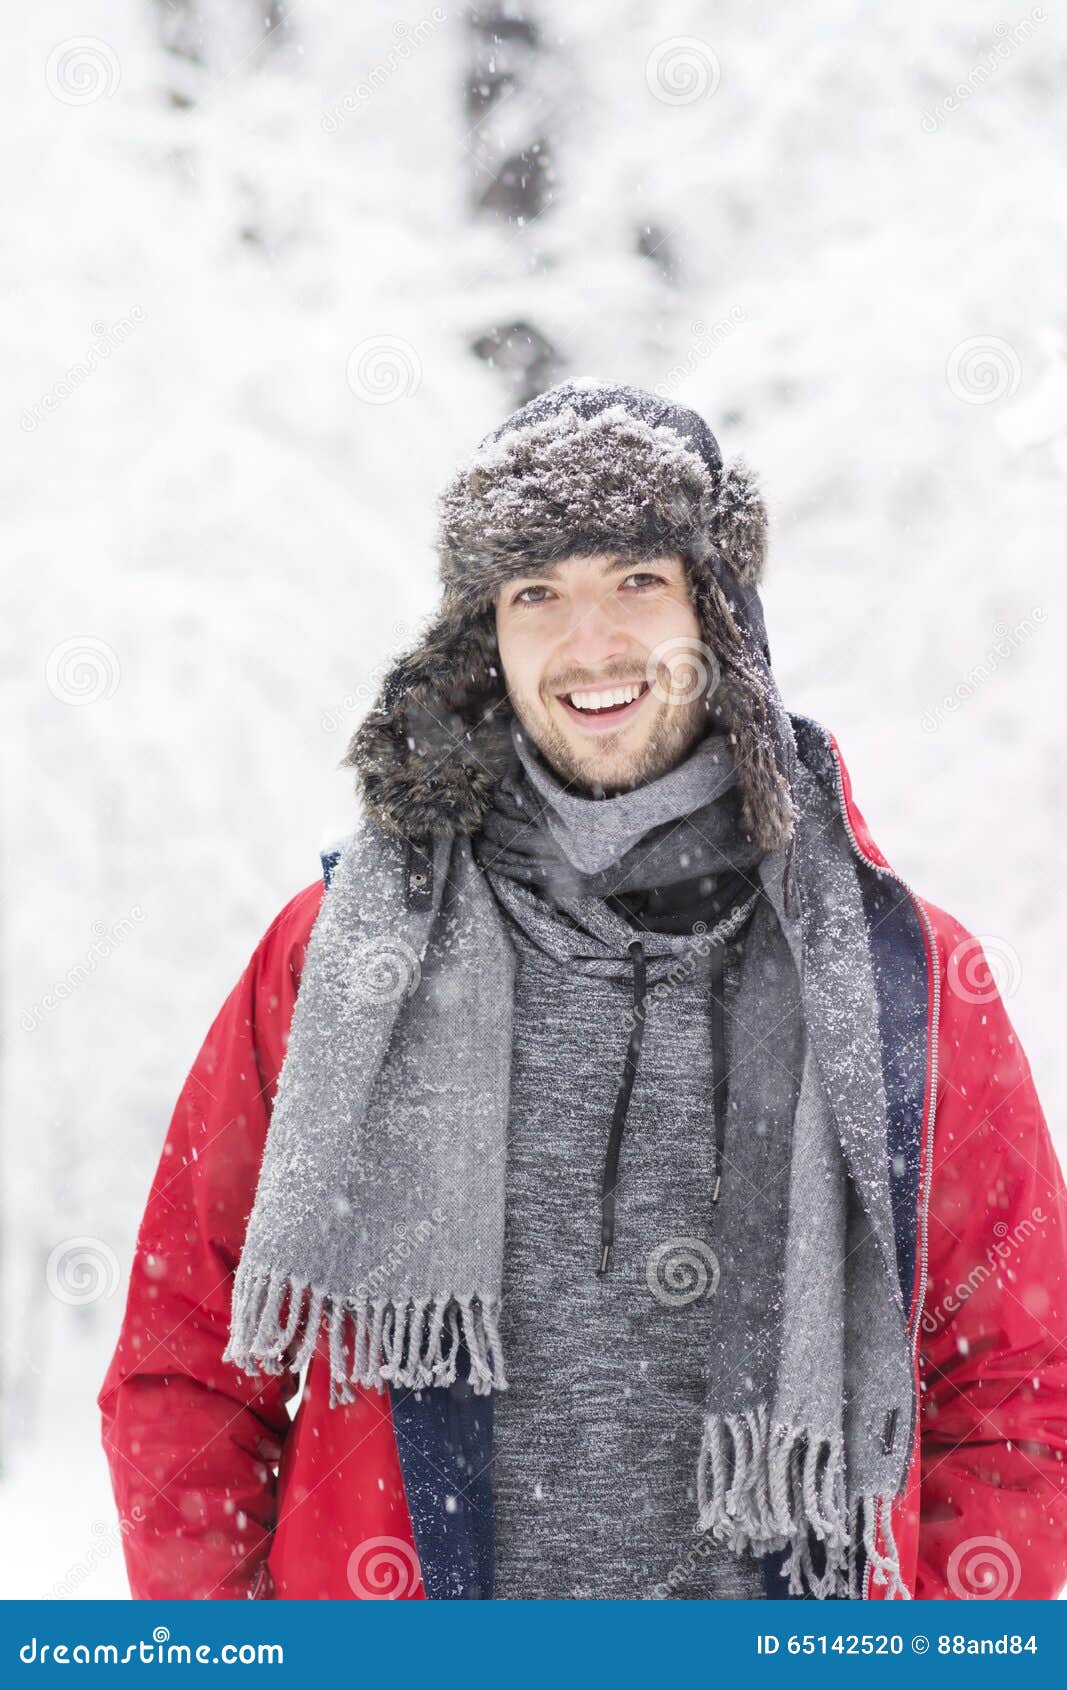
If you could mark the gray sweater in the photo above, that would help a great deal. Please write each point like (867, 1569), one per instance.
(595, 1477)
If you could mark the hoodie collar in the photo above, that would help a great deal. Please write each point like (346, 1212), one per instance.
(594, 833)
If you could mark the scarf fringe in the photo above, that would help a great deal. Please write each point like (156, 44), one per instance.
(372, 1341)
(761, 1489)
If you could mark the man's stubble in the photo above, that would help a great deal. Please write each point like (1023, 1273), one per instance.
(675, 731)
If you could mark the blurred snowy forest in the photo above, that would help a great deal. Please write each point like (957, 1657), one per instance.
(268, 270)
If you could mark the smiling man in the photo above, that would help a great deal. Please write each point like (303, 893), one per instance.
(613, 1139)
(604, 668)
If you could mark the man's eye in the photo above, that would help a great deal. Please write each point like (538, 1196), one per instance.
(644, 579)
(522, 598)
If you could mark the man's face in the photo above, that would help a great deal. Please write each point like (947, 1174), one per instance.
(595, 626)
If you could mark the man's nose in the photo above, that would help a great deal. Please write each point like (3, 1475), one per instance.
(594, 635)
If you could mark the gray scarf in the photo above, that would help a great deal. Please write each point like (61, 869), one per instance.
(380, 1203)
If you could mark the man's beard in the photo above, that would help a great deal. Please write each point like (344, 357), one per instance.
(674, 733)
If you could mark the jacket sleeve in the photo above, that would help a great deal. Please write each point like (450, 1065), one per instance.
(192, 1444)
(994, 1328)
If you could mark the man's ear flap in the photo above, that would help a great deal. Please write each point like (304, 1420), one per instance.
(431, 751)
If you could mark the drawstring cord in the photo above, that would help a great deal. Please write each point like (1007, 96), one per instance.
(610, 1177)
(622, 1104)
(718, 1063)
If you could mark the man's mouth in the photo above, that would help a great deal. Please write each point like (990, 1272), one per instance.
(599, 709)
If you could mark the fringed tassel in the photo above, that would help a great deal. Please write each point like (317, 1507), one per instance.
(371, 1342)
(885, 1568)
(763, 1488)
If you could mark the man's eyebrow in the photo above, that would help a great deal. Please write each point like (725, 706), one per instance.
(614, 566)
(620, 564)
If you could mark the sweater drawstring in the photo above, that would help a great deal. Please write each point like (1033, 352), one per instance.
(622, 1104)
(718, 1064)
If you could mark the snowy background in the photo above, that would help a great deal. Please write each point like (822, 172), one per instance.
(269, 270)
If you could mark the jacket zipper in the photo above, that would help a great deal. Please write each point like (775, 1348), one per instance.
(928, 1137)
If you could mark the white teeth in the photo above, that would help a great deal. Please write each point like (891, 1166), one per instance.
(603, 700)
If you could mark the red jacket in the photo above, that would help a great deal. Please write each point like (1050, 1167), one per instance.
(224, 1496)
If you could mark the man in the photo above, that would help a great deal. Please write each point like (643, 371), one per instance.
(650, 1184)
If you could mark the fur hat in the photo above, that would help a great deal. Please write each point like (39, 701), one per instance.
(586, 467)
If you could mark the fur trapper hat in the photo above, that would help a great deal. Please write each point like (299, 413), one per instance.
(584, 468)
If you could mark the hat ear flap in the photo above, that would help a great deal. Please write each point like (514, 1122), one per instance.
(746, 704)
(429, 754)
(739, 522)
